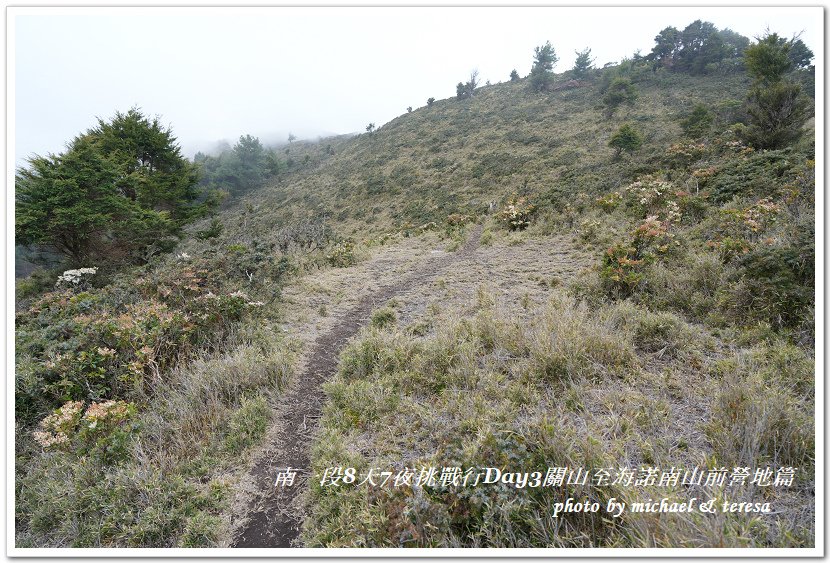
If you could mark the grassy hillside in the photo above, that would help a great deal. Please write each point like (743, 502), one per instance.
(688, 340)
(457, 156)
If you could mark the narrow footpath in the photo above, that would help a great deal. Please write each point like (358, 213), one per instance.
(274, 519)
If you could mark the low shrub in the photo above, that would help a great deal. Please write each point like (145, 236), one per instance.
(383, 317)
(89, 349)
(689, 285)
(627, 138)
(619, 91)
(772, 284)
(516, 214)
(156, 477)
(661, 332)
(621, 270)
(342, 254)
(104, 430)
(757, 175)
(212, 231)
(648, 194)
(698, 123)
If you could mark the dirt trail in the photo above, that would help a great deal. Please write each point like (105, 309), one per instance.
(275, 519)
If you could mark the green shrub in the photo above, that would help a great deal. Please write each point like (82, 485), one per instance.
(620, 91)
(626, 138)
(38, 282)
(772, 284)
(115, 342)
(106, 355)
(213, 231)
(376, 183)
(104, 196)
(541, 73)
(760, 174)
(777, 115)
(698, 123)
(383, 317)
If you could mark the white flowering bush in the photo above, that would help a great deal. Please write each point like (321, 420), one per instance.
(648, 193)
(102, 428)
(516, 214)
(589, 229)
(56, 429)
(673, 214)
(74, 278)
(342, 255)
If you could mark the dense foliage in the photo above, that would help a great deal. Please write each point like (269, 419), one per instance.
(118, 191)
(240, 169)
(698, 123)
(777, 107)
(699, 49)
(620, 91)
(626, 138)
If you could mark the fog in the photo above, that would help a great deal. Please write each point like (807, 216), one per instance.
(214, 74)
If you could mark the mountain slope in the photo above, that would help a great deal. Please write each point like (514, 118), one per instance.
(457, 156)
(657, 310)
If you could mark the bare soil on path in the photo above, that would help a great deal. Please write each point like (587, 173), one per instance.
(275, 519)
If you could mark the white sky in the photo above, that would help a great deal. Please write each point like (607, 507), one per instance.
(218, 73)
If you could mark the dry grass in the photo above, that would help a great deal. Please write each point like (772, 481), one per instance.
(174, 486)
(457, 157)
(613, 387)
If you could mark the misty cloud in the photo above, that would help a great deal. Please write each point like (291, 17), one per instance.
(215, 74)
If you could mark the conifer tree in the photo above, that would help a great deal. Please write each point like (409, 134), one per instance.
(583, 63)
(541, 75)
(776, 106)
(119, 188)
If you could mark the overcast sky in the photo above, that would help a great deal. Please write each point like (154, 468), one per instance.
(215, 74)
